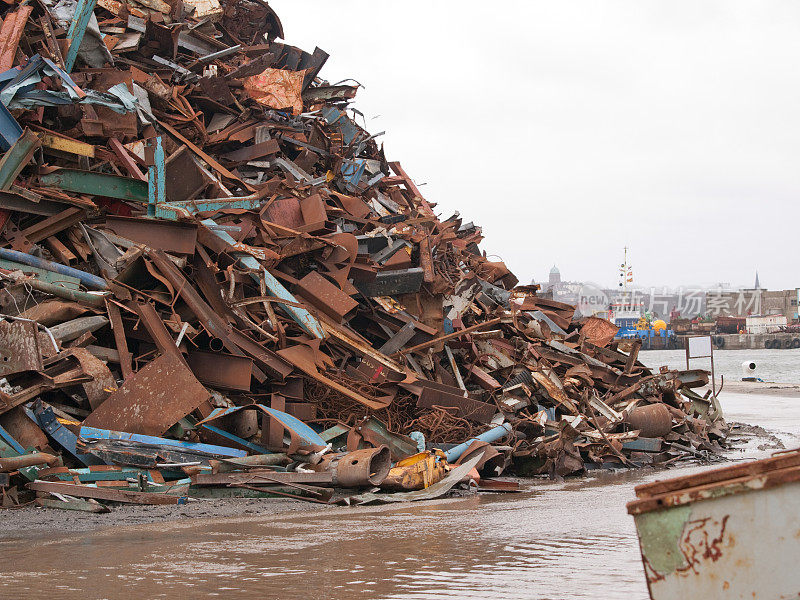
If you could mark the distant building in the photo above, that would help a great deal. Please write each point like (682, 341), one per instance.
(757, 301)
(555, 276)
(765, 323)
(562, 291)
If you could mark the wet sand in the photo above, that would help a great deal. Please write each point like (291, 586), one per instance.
(31, 521)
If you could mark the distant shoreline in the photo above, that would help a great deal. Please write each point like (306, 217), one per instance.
(763, 388)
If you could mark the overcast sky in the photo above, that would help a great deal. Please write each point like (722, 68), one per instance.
(568, 130)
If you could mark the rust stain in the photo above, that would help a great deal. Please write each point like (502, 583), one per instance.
(701, 541)
(650, 573)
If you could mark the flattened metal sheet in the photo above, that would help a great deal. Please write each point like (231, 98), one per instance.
(153, 400)
(19, 348)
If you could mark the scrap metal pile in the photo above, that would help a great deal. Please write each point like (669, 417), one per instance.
(213, 283)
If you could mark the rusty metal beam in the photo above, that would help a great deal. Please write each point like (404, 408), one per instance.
(126, 160)
(450, 336)
(223, 371)
(156, 328)
(24, 239)
(170, 236)
(15, 159)
(104, 493)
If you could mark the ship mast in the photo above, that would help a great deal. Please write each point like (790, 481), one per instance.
(625, 272)
(626, 277)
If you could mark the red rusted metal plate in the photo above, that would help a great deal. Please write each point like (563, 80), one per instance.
(102, 384)
(150, 402)
(325, 296)
(599, 331)
(224, 371)
(10, 34)
(170, 236)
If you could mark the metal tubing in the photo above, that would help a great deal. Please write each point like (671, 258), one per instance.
(362, 468)
(62, 292)
(89, 280)
(15, 463)
(492, 435)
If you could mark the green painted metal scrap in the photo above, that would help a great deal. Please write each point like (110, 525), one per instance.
(97, 184)
(17, 157)
(65, 281)
(175, 210)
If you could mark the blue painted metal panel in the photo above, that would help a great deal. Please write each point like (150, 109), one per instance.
(156, 179)
(93, 433)
(77, 28)
(10, 130)
(339, 119)
(11, 441)
(47, 420)
(288, 421)
(353, 171)
(643, 445)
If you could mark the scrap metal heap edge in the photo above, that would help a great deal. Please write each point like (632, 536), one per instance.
(213, 283)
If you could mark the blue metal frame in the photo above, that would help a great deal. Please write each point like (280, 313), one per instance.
(80, 21)
(156, 179)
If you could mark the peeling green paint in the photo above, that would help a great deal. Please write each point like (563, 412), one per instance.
(660, 534)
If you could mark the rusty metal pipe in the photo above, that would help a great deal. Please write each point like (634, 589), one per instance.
(252, 461)
(27, 460)
(97, 300)
(652, 420)
(361, 468)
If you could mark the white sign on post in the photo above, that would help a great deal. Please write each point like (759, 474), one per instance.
(699, 347)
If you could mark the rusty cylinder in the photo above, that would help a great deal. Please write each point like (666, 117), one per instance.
(652, 420)
(362, 468)
(27, 460)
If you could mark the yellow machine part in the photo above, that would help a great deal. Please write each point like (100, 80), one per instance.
(416, 472)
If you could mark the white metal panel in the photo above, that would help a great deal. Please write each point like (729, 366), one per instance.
(744, 545)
